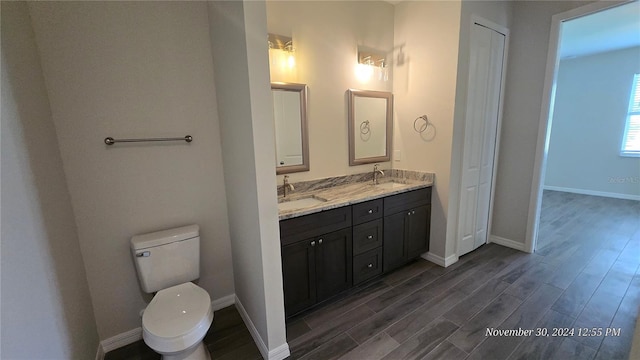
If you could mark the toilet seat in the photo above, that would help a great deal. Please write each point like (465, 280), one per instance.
(177, 318)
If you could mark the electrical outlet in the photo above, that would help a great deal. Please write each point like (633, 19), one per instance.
(397, 155)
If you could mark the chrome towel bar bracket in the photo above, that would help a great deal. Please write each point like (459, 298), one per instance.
(110, 141)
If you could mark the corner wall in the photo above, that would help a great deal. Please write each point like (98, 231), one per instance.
(425, 83)
(46, 307)
(240, 62)
(590, 112)
(135, 69)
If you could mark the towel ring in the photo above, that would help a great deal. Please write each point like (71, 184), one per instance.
(364, 127)
(423, 126)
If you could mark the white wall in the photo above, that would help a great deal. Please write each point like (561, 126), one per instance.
(135, 69)
(238, 38)
(46, 308)
(531, 24)
(425, 83)
(326, 35)
(498, 12)
(591, 104)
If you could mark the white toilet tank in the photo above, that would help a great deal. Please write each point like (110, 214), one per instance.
(167, 258)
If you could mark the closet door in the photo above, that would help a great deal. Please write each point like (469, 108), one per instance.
(481, 127)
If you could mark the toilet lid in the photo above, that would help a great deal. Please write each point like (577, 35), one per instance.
(176, 311)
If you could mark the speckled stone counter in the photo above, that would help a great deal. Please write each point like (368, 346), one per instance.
(347, 190)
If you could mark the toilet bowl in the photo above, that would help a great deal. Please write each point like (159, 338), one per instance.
(176, 321)
(179, 315)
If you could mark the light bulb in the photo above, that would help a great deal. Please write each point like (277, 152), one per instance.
(291, 61)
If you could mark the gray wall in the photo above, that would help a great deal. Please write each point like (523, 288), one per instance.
(523, 101)
(135, 69)
(46, 308)
(592, 100)
(238, 38)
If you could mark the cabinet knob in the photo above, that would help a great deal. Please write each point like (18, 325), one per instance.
(370, 266)
(320, 241)
(313, 243)
(409, 213)
(370, 211)
(370, 237)
(413, 212)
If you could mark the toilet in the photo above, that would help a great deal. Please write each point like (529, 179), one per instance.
(179, 315)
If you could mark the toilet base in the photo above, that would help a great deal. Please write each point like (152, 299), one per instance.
(198, 352)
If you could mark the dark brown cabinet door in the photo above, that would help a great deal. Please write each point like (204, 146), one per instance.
(417, 237)
(334, 263)
(299, 275)
(394, 246)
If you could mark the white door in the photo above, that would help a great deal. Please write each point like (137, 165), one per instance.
(481, 127)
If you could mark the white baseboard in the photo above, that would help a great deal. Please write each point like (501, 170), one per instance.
(279, 353)
(439, 260)
(131, 336)
(507, 242)
(223, 302)
(100, 353)
(593, 193)
(120, 340)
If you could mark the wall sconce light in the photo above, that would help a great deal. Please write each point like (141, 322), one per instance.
(370, 62)
(284, 46)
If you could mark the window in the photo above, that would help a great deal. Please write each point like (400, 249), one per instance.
(631, 137)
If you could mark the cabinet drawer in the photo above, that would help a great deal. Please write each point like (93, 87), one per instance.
(367, 211)
(367, 265)
(367, 236)
(405, 201)
(308, 226)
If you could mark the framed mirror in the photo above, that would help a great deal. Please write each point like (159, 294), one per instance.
(370, 117)
(290, 114)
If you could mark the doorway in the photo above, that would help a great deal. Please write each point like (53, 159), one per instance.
(581, 155)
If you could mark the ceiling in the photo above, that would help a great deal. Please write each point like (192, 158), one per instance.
(611, 29)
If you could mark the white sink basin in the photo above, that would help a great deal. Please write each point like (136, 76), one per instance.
(390, 185)
(299, 203)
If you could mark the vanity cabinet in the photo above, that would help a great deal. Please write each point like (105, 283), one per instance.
(316, 264)
(406, 227)
(328, 252)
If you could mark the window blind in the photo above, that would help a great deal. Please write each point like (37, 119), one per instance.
(631, 138)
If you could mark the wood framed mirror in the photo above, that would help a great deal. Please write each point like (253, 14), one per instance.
(292, 139)
(370, 117)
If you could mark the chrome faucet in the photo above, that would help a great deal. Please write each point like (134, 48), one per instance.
(287, 185)
(375, 174)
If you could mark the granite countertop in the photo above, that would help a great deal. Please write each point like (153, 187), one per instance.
(348, 194)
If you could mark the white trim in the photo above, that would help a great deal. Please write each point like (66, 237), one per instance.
(252, 329)
(120, 340)
(131, 336)
(439, 260)
(223, 302)
(546, 110)
(279, 353)
(593, 193)
(507, 242)
(100, 352)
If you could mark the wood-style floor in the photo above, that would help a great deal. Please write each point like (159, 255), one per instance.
(584, 276)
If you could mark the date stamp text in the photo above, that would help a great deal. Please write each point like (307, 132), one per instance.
(554, 332)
